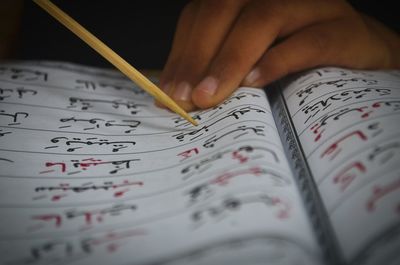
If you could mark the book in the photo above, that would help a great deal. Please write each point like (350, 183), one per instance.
(306, 171)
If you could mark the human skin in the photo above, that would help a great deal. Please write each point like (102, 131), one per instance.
(220, 45)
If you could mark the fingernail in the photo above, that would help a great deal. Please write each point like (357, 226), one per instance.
(252, 77)
(209, 85)
(183, 92)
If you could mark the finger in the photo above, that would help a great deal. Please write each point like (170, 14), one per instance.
(185, 104)
(184, 26)
(256, 29)
(213, 21)
(329, 43)
(183, 29)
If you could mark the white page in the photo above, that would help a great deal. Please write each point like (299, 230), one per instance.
(93, 173)
(348, 123)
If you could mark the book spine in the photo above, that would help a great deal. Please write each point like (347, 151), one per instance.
(318, 216)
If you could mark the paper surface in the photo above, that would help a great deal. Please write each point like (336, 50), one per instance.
(93, 173)
(348, 123)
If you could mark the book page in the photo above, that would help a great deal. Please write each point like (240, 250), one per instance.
(93, 173)
(348, 123)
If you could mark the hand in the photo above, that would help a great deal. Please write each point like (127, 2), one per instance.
(221, 44)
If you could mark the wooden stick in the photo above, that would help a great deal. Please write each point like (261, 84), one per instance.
(113, 58)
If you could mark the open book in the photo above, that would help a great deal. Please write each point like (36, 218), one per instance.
(93, 173)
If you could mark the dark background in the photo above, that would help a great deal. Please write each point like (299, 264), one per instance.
(140, 31)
